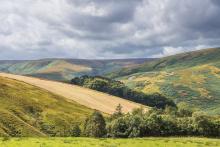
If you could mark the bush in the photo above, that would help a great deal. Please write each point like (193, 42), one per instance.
(75, 131)
(118, 128)
(162, 123)
(95, 126)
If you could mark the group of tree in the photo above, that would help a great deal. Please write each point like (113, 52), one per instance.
(155, 122)
(119, 89)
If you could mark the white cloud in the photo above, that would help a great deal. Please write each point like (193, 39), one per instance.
(106, 29)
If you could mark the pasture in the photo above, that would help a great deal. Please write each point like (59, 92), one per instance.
(90, 142)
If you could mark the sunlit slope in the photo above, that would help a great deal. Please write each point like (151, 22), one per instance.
(26, 110)
(175, 62)
(89, 98)
(192, 77)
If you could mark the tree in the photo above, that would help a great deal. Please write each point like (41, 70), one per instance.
(138, 111)
(170, 110)
(95, 125)
(184, 110)
(118, 112)
(204, 126)
(118, 128)
(75, 131)
(134, 126)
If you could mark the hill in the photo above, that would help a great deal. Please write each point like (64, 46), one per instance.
(66, 69)
(26, 110)
(119, 89)
(86, 97)
(192, 77)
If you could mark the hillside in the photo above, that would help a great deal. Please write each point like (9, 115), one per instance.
(86, 97)
(66, 69)
(119, 89)
(26, 110)
(192, 77)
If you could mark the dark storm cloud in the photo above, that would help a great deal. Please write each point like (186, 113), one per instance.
(106, 29)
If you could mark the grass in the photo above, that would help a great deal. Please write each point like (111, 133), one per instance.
(31, 111)
(88, 142)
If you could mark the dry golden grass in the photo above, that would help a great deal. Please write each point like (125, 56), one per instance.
(87, 97)
(188, 77)
(151, 85)
(195, 75)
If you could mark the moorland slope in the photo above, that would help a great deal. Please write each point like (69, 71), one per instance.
(192, 77)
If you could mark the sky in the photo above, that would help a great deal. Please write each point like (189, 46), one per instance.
(101, 29)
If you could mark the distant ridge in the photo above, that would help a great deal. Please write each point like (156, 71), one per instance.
(66, 69)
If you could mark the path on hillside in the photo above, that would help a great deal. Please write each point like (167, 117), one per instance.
(87, 97)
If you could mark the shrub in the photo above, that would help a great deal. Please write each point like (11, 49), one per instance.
(75, 131)
(95, 126)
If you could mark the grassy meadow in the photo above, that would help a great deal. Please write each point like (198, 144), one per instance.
(90, 142)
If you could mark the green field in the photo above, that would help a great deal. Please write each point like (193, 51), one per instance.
(90, 142)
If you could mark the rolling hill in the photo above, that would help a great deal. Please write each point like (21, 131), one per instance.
(192, 77)
(27, 110)
(86, 97)
(35, 107)
(66, 69)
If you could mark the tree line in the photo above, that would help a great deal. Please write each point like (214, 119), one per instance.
(119, 89)
(155, 122)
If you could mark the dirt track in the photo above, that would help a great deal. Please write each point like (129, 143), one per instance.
(90, 98)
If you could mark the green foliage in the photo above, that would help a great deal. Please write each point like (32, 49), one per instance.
(117, 88)
(118, 128)
(75, 131)
(168, 122)
(94, 126)
(118, 112)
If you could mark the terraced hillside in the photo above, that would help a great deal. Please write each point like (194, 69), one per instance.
(66, 69)
(26, 110)
(192, 77)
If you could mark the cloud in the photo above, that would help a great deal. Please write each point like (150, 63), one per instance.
(106, 29)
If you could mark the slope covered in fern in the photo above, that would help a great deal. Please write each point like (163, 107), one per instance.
(192, 77)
